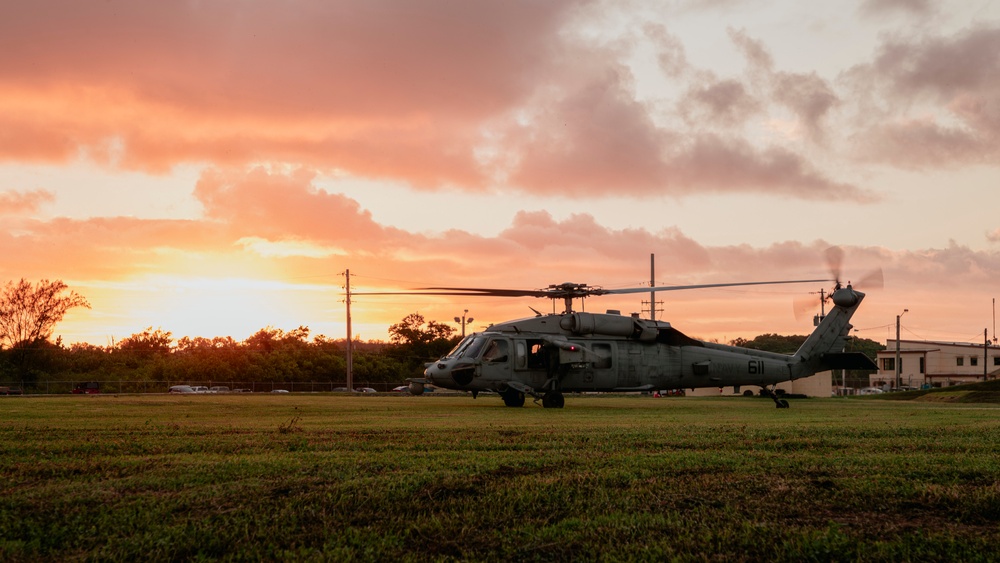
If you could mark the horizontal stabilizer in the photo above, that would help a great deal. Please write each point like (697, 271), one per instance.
(848, 360)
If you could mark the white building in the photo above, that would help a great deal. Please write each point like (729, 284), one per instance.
(926, 363)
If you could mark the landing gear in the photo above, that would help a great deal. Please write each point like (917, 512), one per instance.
(512, 397)
(553, 400)
(778, 403)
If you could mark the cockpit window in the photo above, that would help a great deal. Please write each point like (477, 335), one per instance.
(496, 351)
(474, 347)
(454, 351)
(468, 348)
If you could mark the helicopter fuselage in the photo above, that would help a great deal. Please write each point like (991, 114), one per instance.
(570, 363)
(546, 356)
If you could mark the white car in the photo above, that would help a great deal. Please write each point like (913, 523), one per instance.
(870, 391)
(181, 389)
(199, 389)
(365, 390)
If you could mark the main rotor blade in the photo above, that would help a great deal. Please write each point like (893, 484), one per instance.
(698, 286)
(473, 291)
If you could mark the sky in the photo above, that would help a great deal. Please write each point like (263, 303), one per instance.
(214, 168)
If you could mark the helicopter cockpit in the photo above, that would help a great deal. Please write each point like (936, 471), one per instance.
(468, 360)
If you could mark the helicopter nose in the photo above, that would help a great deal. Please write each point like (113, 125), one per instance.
(446, 374)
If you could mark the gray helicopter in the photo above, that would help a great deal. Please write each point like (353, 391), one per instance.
(547, 356)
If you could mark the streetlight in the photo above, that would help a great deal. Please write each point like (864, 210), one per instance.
(898, 366)
(463, 321)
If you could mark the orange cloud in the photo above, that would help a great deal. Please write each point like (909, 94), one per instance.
(502, 95)
(266, 225)
(16, 202)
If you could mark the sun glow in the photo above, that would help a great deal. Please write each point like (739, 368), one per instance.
(189, 306)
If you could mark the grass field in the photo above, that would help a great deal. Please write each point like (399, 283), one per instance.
(302, 477)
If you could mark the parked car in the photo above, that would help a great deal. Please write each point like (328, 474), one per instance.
(365, 390)
(181, 389)
(870, 391)
(341, 390)
(199, 389)
(10, 391)
(87, 388)
(218, 389)
(279, 390)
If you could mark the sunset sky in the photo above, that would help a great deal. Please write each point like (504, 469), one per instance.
(213, 167)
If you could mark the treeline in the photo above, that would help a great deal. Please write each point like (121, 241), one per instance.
(30, 311)
(270, 355)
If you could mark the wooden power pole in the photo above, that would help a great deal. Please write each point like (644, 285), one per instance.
(350, 339)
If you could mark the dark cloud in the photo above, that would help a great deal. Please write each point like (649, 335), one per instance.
(723, 102)
(713, 163)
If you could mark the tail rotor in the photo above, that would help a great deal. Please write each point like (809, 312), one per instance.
(840, 294)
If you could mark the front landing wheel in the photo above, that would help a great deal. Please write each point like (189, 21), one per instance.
(553, 400)
(512, 397)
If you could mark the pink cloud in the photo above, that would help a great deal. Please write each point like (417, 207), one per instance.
(807, 95)
(941, 100)
(287, 206)
(381, 91)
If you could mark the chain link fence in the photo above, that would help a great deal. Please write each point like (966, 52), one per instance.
(112, 386)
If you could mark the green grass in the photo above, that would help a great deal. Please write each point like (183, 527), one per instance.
(981, 392)
(301, 477)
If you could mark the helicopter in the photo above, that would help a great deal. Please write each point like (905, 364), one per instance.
(549, 355)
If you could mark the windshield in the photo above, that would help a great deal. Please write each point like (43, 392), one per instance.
(468, 348)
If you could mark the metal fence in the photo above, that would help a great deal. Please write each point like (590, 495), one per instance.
(113, 386)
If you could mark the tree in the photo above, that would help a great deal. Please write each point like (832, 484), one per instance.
(772, 343)
(411, 331)
(418, 341)
(29, 313)
(147, 343)
(28, 316)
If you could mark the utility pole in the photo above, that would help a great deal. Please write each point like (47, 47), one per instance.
(822, 306)
(652, 293)
(986, 352)
(898, 364)
(350, 341)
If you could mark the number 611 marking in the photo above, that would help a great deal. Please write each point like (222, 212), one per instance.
(755, 367)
